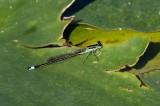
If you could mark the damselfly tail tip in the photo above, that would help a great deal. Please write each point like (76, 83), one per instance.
(31, 68)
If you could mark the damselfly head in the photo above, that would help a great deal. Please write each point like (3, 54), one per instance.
(99, 44)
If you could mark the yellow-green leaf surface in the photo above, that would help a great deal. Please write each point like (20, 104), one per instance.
(81, 34)
(70, 83)
(123, 47)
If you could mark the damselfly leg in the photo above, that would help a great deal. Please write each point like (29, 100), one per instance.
(95, 56)
(93, 52)
(86, 57)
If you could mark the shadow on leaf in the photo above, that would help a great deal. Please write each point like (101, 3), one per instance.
(76, 6)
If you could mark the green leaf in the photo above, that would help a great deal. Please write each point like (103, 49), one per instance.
(69, 83)
(32, 22)
(110, 14)
(148, 66)
(120, 15)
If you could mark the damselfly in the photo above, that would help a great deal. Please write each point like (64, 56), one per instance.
(88, 50)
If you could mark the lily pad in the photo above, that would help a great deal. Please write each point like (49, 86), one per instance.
(108, 14)
(120, 15)
(148, 66)
(34, 22)
(69, 83)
